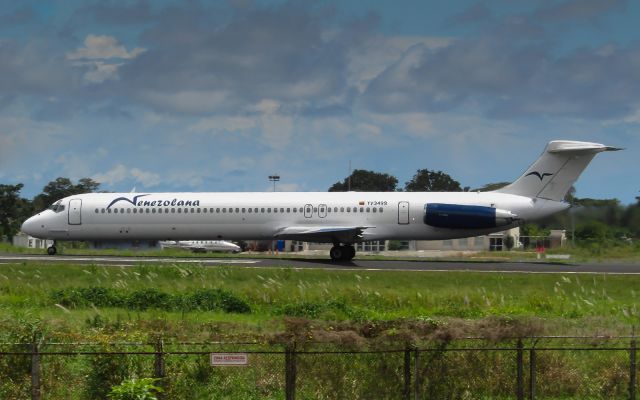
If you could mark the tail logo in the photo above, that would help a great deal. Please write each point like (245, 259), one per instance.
(540, 176)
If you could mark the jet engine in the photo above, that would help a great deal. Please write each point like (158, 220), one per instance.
(457, 216)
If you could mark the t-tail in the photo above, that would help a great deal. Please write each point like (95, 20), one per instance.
(559, 166)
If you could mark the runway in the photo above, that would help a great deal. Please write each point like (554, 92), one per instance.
(356, 264)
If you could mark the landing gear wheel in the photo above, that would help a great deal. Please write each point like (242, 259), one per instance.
(52, 250)
(337, 253)
(350, 252)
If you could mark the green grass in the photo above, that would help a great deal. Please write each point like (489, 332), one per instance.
(28, 291)
(340, 309)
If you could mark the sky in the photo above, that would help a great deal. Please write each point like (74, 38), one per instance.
(216, 96)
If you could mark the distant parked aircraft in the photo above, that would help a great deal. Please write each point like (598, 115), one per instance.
(202, 246)
(339, 218)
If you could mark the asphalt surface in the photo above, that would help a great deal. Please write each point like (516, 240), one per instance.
(359, 265)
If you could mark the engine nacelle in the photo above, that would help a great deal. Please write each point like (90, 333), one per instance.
(457, 216)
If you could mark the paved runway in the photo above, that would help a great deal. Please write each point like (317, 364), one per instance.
(359, 265)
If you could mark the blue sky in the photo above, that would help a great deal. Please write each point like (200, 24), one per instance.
(216, 96)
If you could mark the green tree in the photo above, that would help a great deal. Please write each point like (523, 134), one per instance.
(432, 181)
(63, 187)
(367, 181)
(13, 210)
(491, 186)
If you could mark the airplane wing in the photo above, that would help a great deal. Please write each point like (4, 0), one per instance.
(322, 234)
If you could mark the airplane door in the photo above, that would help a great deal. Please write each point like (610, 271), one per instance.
(308, 211)
(75, 207)
(322, 210)
(403, 212)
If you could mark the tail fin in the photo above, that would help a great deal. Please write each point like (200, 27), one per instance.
(559, 166)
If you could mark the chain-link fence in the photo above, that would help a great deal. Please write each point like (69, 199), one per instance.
(521, 368)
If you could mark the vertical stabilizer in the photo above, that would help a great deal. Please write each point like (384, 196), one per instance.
(559, 166)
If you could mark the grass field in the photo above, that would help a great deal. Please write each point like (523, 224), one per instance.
(70, 298)
(331, 309)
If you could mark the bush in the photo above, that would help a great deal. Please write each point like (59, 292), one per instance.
(148, 298)
(136, 389)
(201, 300)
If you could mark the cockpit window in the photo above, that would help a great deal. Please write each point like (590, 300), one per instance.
(57, 206)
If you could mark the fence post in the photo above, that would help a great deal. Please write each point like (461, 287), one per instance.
(407, 374)
(290, 371)
(417, 382)
(158, 365)
(532, 374)
(35, 369)
(520, 374)
(632, 367)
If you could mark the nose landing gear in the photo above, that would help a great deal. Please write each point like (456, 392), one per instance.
(342, 252)
(52, 250)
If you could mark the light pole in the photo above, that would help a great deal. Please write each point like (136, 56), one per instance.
(274, 178)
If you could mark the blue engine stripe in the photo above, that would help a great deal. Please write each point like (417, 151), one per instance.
(456, 216)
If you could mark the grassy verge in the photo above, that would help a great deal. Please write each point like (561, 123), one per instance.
(69, 297)
(337, 309)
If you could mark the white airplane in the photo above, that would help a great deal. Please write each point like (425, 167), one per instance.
(341, 218)
(202, 246)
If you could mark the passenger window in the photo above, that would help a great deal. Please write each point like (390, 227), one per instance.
(115, 210)
(96, 211)
(295, 210)
(193, 211)
(282, 210)
(217, 210)
(348, 209)
(341, 209)
(179, 210)
(204, 210)
(224, 210)
(288, 209)
(237, 210)
(128, 211)
(153, 210)
(262, 210)
(102, 211)
(375, 209)
(255, 210)
(269, 209)
(380, 209)
(368, 209)
(361, 209)
(275, 210)
(173, 211)
(211, 210)
(250, 210)
(159, 210)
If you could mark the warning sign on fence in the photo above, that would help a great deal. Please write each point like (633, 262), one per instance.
(229, 359)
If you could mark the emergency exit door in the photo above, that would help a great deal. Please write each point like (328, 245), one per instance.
(403, 212)
(75, 207)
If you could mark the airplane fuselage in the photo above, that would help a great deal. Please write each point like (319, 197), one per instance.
(260, 216)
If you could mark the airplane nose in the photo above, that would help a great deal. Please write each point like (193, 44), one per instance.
(31, 227)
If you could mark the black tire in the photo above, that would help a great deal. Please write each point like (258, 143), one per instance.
(350, 252)
(337, 253)
(51, 250)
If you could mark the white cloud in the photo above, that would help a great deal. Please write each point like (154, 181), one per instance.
(97, 56)
(121, 173)
(374, 55)
(101, 48)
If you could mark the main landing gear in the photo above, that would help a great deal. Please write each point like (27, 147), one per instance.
(52, 250)
(342, 253)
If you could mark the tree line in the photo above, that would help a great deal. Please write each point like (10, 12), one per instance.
(14, 209)
(588, 220)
